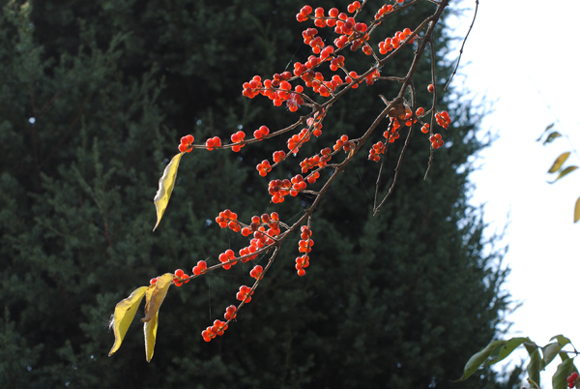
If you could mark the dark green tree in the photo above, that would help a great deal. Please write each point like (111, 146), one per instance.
(93, 98)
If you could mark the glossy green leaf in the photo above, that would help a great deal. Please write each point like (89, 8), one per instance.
(166, 183)
(559, 162)
(577, 211)
(150, 331)
(155, 295)
(505, 350)
(562, 340)
(124, 314)
(479, 358)
(552, 136)
(547, 128)
(560, 378)
(549, 352)
(534, 365)
(565, 172)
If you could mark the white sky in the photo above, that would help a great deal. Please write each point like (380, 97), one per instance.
(515, 49)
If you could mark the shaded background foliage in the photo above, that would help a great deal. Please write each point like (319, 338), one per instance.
(93, 100)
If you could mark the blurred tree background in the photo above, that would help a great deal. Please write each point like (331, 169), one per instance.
(94, 97)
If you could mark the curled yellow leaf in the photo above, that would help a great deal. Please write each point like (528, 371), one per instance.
(166, 183)
(124, 313)
(150, 331)
(559, 162)
(564, 172)
(155, 296)
(577, 211)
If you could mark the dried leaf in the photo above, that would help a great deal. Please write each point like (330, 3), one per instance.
(124, 313)
(166, 183)
(559, 162)
(577, 211)
(155, 296)
(564, 172)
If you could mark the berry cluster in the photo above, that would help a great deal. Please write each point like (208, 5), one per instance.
(200, 268)
(211, 332)
(343, 143)
(256, 272)
(227, 258)
(261, 132)
(304, 246)
(180, 278)
(316, 161)
(238, 137)
(186, 144)
(395, 42)
(244, 294)
(297, 140)
(572, 380)
(436, 141)
(443, 119)
(211, 143)
(376, 151)
(264, 168)
(229, 219)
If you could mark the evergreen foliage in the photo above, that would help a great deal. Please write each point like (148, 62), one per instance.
(93, 100)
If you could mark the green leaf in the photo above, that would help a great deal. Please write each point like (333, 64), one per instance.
(479, 358)
(552, 136)
(562, 340)
(564, 172)
(560, 378)
(577, 211)
(155, 295)
(534, 365)
(124, 313)
(547, 128)
(506, 349)
(559, 162)
(150, 331)
(166, 183)
(550, 351)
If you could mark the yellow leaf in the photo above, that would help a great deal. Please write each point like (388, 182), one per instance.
(577, 210)
(166, 183)
(559, 162)
(150, 331)
(155, 296)
(124, 313)
(563, 173)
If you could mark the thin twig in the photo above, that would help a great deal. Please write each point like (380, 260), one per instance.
(462, 45)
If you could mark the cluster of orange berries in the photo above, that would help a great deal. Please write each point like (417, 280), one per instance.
(304, 246)
(257, 227)
(394, 42)
(443, 119)
(279, 90)
(375, 151)
(256, 272)
(200, 268)
(227, 257)
(211, 143)
(211, 332)
(316, 161)
(238, 137)
(186, 144)
(436, 141)
(219, 326)
(279, 189)
(343, 143)
(244, 294)
(229, 219)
